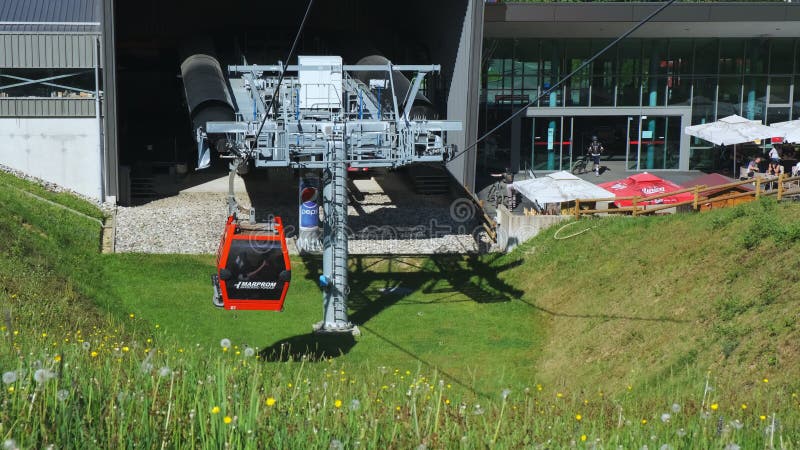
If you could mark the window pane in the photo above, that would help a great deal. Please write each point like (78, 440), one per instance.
(756, 58)
(729, 96)
(705, 56)
(653, 89)
(578, 85)
(781, 55)
(755, 93)
(731, 56)
(703, 104)
(775, 115)
(630, 70)
(551, 72)
(779, 89)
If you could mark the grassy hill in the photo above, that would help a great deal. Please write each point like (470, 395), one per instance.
(584, 341)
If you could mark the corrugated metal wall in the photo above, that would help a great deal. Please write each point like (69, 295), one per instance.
(47, 51)
(47, 107)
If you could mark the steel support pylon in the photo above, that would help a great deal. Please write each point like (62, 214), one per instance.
(334, 243)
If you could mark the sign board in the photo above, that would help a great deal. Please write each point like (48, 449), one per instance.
(550, 134)
(647, 134)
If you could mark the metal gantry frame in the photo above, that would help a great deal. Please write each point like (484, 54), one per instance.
(333, 121)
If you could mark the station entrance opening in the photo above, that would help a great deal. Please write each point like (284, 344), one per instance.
(635, 142)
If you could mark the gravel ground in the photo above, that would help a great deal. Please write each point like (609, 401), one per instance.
(192, 223)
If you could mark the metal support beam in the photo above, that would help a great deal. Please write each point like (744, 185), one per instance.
(28, 81)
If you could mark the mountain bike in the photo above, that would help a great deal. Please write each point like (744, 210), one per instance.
(581, 165)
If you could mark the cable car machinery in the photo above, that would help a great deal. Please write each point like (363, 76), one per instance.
(325, 119)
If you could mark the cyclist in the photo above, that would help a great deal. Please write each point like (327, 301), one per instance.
(594, 149)
(507, 178)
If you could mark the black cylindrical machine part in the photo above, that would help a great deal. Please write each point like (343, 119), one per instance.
(207, 94)
(422, 109)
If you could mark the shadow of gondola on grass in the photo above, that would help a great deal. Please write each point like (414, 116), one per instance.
(310, 347)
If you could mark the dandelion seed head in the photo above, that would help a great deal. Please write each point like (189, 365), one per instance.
(9, 444)
(86, 345)
(43, 375)
(62, 394)
(9, 377)
(249, 352)
(336, 445)
(732, 446)
(164, 371)
(665, 417)
(676, 408)
(225, 343)
(506, 393)
(737, 424)
(355, 404)
(681, 432)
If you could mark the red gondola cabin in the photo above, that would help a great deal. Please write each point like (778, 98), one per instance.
(253, 268)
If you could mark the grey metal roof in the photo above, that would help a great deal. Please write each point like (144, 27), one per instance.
(50, 16)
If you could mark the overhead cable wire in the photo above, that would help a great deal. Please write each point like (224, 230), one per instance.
(566, 78)
(285, 65)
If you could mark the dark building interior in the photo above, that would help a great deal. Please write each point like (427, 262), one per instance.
(153, 36)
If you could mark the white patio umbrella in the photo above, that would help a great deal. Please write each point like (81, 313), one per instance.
(791, 129)
(559, 187)
(733, 130)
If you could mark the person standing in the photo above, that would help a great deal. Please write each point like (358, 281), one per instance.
(774, 156)
(595, 149)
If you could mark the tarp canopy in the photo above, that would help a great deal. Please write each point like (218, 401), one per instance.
(791, 130)
(559, 187)
(733, 130)
(644, 185)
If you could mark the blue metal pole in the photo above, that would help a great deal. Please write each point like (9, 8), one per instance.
(360, 104)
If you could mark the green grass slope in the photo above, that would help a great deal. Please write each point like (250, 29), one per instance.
(588, 341)
(632, 301)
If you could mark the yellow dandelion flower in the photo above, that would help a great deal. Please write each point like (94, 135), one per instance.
(630, 388)
(337, 403)
(158, 326)
(408, 372)
(227, 419)
(11, 389)
(384, 387)
(744, 405)
(44, 335)
(126, 349)
(585, 401)
(16, 332)
(448, 386)
(224, 349)
(714, 406)
(559, 394)
(583, 438)
(644, 421)
(270, 401)
(290, 385)
(762, 417)
(538, 387)
(131, 315)
(397, 408)
(765, 380)
(578, 417)
(447, 401)
(215, 410)
(94, 354)
(57, 358)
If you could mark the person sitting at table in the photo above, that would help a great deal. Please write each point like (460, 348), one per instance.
(753, 167)
(796, 169)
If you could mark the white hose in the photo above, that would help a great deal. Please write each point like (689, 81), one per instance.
(556, 237)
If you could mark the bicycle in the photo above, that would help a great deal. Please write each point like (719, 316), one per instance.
(581, 164)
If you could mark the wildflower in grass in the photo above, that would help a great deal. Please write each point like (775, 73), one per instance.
(714, 406)
(676, 408)
(270, 401)
(762, 417)
(447, 401)
(225, 344)
(705, 414)
(505, 393)
(765, 380)
(86, 345)
(164, 371)
(9, 377)
(478, 410)
(93, 354)
(732, 446)
(249, 352)
(126, 349)
(57, 358)
(10, 444)
(337, 403)
(539, 387)
(62, 394)
(665, 417)
(744, 406)
(336, 445)
(578, 417)
(681, 432)
(11, 389)
(583, 438)
(644, 421)
(355, 405)
(665, 447)
(215, 410)
(737, 424)
(43, 375)
(131, 315)
(559, 394)
(227, 419)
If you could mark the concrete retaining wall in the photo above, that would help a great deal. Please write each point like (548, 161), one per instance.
(62, 151)
(513, 230)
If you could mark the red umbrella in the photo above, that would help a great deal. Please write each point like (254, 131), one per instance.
(645, 185)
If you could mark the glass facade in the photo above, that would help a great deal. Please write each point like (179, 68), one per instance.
(711, 77)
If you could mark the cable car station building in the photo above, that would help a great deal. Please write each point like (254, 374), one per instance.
(692, 64)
